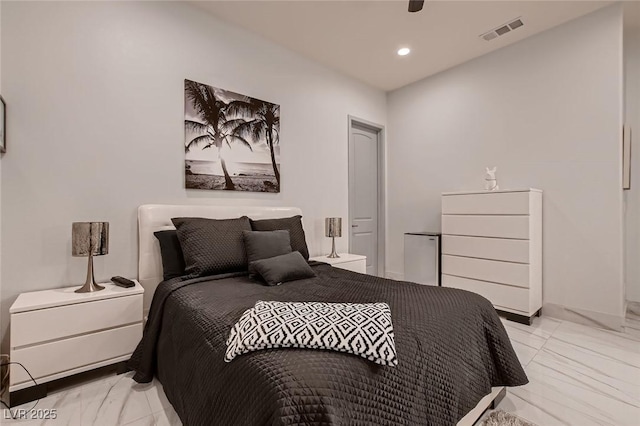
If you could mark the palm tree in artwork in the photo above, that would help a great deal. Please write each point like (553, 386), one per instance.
(211, 112)
(262, 122)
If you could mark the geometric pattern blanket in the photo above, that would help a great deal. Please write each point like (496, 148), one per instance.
(363, 329)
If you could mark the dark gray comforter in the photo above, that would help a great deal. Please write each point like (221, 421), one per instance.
(452, 348)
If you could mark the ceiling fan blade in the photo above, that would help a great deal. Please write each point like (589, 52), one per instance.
(415, 5)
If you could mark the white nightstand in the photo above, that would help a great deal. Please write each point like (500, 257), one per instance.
(348, 261)
(57, 333)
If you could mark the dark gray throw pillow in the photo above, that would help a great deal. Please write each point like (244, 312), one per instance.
(265, 244)
(212, 246)
(171, 254)
(291, 224)
(283, 268)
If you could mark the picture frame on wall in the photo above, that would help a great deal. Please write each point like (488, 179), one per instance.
(3, 129)
(232, 141)
(626, 157)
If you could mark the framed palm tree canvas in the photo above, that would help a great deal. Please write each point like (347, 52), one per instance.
(3, 119)
(232, 141)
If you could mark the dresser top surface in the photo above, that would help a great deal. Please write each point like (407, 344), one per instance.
(483, 191)
(67, 296)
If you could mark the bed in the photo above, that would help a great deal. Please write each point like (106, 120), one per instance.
(454, 356)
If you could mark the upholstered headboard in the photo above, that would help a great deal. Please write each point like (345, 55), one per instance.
(156, 217)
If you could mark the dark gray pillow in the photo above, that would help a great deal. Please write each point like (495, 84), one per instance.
(212, 246)
(171, 253)
(265, 244)
(283, 268)
(291, 224)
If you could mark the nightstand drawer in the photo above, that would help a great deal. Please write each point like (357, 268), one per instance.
(348, 261)
(49, 324)
(56, 357)
(359, 266)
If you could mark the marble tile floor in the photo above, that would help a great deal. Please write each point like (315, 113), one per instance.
(109, 400)
(578, 376)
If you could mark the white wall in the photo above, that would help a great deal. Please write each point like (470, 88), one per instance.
(632, 197)
(548, 112)
(96, 96)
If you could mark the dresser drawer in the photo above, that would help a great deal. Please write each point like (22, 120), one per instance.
(49, 324)
(487, 226)
(55, 357)
(509, 203)
(487, 248)
(501, 296)
(516, 274)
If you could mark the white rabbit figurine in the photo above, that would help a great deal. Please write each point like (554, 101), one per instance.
(491, 183)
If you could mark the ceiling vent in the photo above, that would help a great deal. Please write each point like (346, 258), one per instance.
(502, 29)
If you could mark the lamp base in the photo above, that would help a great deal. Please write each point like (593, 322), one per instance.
(89, 288)
(333, 254)
(90, 284)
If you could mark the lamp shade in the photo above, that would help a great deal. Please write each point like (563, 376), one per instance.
(90, 239)
(333, 227)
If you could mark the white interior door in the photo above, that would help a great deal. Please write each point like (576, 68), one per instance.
(363, 194)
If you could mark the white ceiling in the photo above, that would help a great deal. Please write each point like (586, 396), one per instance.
(360, 38)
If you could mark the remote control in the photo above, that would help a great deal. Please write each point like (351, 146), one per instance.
(123, 282)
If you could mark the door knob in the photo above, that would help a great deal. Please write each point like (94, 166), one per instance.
(354, 226)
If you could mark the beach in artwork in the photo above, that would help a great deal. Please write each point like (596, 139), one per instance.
(255, 177)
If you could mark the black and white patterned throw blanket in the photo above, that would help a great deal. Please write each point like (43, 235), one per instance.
(363, 329)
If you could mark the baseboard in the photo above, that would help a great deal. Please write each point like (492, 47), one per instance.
(395, 276)
(583, 316)
(632, 308)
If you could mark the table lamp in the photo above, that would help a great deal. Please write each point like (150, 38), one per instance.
(90, 239)
(333, 229)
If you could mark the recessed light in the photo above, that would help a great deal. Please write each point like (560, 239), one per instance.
(404, 51)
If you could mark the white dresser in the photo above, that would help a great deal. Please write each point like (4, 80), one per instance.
(492, 245)
(57, 333)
